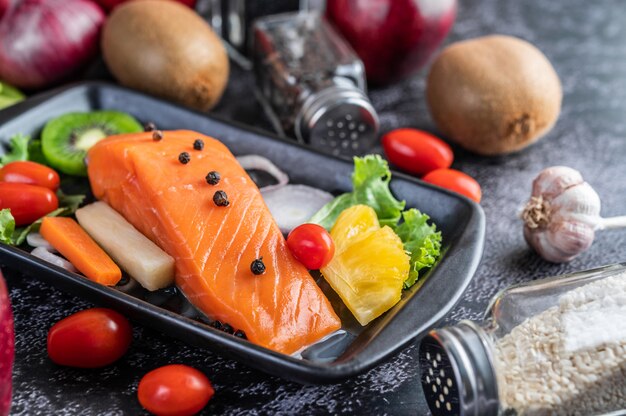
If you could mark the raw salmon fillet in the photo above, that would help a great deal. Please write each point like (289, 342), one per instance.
(214, 246)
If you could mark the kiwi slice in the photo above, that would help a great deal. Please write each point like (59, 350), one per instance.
(65, 140)
(9, 95)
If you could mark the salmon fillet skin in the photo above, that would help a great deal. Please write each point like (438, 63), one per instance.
(172, 204)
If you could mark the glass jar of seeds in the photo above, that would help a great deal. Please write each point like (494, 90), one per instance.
(556, 346)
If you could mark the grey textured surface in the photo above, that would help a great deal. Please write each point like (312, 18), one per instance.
(586, 43)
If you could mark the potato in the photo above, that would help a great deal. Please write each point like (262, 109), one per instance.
(165, 49)
(493, 95)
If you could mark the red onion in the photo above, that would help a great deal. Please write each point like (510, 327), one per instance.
(44, 254)
(263, 163)
(293, 205)
(44, 41)
(4, 6)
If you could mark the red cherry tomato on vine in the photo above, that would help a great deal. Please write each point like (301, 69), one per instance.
(416, 151)
(311, 245)
(30, 173)
(456, 181)
(91, 338)
(27, 203)
(174, 390)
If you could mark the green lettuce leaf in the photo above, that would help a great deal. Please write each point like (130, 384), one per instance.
(370, 182)
(35, 154)
(9, 95)
(19, 149)
(421, 241)
(69, 203)
(7, 226)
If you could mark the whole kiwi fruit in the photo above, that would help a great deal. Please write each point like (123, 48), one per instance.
(493, 95)
(165, 49)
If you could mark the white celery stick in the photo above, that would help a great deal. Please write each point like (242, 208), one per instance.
(143, 260)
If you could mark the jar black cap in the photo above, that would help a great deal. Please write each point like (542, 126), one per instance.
(457, 372)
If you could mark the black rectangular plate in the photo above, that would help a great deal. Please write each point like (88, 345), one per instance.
(461, 221)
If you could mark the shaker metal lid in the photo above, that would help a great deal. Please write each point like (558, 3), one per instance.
(457, 373)
(338, 119)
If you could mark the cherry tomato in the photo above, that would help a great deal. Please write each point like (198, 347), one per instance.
(174, 390)
(27, 203)
(91, 338)
(31, 173)
(311, 245)
(416, 151)
(455, 181)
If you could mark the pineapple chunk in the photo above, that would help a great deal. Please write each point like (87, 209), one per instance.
(370, 265)
(143, 260)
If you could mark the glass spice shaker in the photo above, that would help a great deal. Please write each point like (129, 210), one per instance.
(555, 346)
(313, 83)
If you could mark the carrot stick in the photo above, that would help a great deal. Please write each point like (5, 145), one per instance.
(65, 235)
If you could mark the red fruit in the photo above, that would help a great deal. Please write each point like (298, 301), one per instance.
(311, 245)
(174, 390)
(91, 338)
(108, 5)
(6, 349)
(456, 181)
(4, 6)
(394, 38)
(416, 151)
(27, 203)
(30, 173)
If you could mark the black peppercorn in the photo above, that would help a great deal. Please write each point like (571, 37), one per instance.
(221, 199)
(149, 126)
(257, 266)
(184, 158)
(157, 135)
(198, 144)
(228, 329)
(213, 178)
(217, 325)
(240, 334)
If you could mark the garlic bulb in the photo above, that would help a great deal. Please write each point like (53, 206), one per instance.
(562, 215)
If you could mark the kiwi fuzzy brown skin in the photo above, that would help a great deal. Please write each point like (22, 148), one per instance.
(493, 95)
(165, 49)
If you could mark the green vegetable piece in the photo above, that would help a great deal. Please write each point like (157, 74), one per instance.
(421, 240)
(7, 226)
(35, 154)
(18, 149)
(9, 95)
(65, 140)
(370, 187)
(69, 202)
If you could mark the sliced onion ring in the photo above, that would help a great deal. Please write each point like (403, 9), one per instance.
(44, 254)
(292, 205)
(266, 165)
(36, 240)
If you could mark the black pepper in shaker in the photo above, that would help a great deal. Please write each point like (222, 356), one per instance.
(198, 144)
(326, 104)
(149, 126)
(258, 267)
(213, 178)
(157, 135)
(221, 199)
(184, 158)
